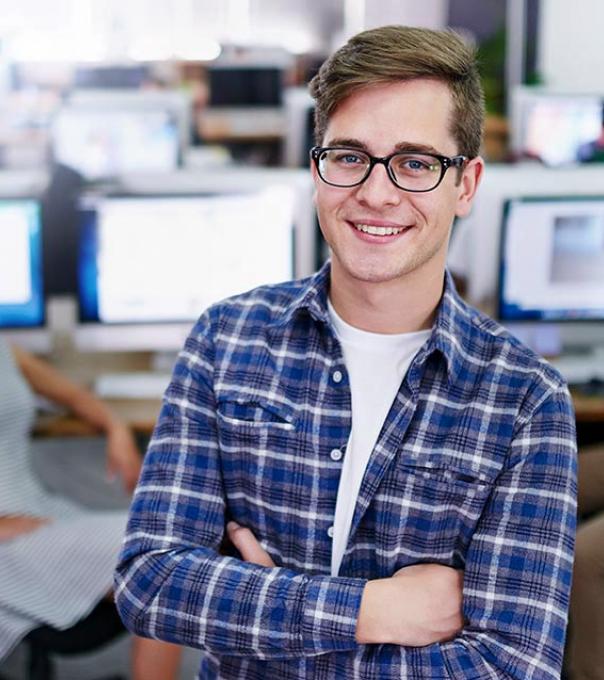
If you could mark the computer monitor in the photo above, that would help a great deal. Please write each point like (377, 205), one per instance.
(149, 265)
(105, 134)
(245, 85)
(557, 128)
(22, 312)
(551, 287)
(300, 128)
(552, 259)
(474, 247)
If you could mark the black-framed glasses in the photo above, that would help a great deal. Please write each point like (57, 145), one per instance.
(408, 170)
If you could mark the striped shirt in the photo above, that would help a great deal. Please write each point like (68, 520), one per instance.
(474, 468)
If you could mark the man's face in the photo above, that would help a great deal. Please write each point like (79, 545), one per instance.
(379, 119)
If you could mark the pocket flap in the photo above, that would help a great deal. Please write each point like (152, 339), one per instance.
(251, 409)
(442, 468)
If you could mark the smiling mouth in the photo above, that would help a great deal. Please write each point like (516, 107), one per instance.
(378, 231)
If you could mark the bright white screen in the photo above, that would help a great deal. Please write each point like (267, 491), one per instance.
(554, 257)
(557, 127)
(15, 276)
(112, 142)
(168, 259)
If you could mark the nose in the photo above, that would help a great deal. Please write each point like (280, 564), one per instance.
(378, 189)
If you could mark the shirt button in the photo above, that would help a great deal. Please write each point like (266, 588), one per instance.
(335, 454)
(337, 376)
(330, 532)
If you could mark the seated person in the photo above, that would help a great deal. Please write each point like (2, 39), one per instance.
(57, 558)
(585, 653)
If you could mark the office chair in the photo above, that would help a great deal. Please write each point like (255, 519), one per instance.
(101, 626)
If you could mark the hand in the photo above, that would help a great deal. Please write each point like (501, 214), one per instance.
(247, 545)
(123, 456)
(420, 605)
(12, 526)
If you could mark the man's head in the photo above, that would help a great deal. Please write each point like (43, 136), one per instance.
(391, 54)
(399, 114)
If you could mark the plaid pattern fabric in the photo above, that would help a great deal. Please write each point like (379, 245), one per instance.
(474, 468)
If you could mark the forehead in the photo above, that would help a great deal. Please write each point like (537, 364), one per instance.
(385, 115)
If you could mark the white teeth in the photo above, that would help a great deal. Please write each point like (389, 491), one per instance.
(378, 231)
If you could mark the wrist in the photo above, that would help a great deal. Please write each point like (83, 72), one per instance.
(373, 623)
(114, 424)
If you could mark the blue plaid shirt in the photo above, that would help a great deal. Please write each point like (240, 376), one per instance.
(474, 468)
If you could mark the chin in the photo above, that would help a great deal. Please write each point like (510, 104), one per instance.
(375, 273)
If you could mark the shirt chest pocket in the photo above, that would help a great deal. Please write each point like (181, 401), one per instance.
(259, 442)
(255, 432)
(433, 506)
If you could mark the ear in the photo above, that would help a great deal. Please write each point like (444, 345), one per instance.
(468, 185)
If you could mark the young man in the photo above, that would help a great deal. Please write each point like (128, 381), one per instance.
(397, 473)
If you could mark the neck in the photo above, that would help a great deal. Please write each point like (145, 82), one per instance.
(403, 305)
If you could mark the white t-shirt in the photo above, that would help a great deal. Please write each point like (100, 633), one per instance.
(376, 365)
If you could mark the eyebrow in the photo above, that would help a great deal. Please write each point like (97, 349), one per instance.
(401, 147)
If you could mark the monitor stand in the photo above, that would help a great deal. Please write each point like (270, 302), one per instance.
(581, 368)
(132, 385)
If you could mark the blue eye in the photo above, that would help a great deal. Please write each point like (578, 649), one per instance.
(349, 159)
(414, 165)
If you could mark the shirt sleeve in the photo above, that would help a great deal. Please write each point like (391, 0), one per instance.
(518, 567)
(171, 582)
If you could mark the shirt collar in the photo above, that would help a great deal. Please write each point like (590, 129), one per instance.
(311, 298)
(451, 325)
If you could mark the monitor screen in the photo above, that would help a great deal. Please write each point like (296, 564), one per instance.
(107, 143)
(552, 259)
(245, 86)
(146, 259)
(556, 128)
(21, 292)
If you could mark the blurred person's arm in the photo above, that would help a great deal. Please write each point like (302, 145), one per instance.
(12, 526)
(123, 456)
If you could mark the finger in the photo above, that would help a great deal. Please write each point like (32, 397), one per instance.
(130, 481)
(245, 542)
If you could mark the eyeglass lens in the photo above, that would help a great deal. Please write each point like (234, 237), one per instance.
(412, 171)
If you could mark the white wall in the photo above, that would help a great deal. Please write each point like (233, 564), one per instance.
(571, 56)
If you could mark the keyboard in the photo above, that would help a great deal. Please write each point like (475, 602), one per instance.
(579, 369)
(135, 385)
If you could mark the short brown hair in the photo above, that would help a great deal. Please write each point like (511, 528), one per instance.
(397, 53)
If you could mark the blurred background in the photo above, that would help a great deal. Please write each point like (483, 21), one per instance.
(154, 159)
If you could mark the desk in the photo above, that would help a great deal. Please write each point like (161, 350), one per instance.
(588, 409)
(139, 414)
